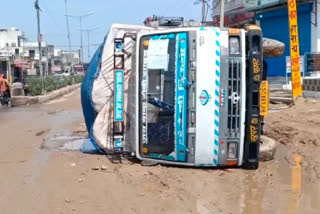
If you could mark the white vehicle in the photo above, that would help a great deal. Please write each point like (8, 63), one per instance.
(66, 71)
(180, 95)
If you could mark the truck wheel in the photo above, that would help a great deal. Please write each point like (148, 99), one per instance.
(267, 148)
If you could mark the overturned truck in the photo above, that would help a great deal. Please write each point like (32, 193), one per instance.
(177, 95)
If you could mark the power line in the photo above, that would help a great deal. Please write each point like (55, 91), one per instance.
(77, 46)
(49, 14)
(81, 17)
(205, 8)
(216, 5)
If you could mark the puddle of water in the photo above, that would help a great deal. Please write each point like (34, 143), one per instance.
(74, 145)
(64, 142)
(54, 143)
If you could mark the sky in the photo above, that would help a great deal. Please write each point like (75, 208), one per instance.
(22, 15)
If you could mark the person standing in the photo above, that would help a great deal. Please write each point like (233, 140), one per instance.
(4, 87)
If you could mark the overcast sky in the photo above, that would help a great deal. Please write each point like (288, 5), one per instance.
(21, 14)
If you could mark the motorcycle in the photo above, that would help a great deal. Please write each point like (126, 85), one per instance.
(5, 99)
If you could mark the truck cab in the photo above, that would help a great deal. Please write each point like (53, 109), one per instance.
(197, 96)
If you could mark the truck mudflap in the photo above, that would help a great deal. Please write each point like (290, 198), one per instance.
(254, 76)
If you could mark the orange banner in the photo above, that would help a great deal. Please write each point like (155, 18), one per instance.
(294, 48)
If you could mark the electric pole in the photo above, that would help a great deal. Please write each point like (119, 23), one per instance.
(204, 2)
(68, 27)
(81, 37)
(88, 37)
(36, 5)
(81, 57)
(8, 64)
(221, 13)
(89, 54)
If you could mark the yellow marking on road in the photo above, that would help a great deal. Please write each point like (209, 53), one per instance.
(295, 186)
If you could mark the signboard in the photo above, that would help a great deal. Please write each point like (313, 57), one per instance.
(264, 98)
(312, 61)
(21, 64)
(288, 64)
(294, 49)
(158, 57)
(118, 95)
(56, 68)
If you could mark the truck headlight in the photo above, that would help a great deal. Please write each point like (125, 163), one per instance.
(232, 150)
(234, 45)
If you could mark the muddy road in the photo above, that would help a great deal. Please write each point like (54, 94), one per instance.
(42, 171)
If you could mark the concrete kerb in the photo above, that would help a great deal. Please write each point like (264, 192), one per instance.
(23, 100)
(28, 100)
(311, 94)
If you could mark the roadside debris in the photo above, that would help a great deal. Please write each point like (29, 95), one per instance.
(42, 132)
(72, 164)
(96, 168)
(103, 167)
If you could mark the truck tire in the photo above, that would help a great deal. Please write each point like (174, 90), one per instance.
(267, 148)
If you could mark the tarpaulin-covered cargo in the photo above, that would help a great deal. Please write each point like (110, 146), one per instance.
(98, 85)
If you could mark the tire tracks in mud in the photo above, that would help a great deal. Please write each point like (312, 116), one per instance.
(168, 184)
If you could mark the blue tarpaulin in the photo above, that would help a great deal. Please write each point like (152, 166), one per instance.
(89, 112)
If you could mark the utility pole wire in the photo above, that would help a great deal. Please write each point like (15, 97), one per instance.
(81, 37)
(88, 31)
(50, 15)
(205, 9)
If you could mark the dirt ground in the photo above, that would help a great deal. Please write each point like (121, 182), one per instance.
(41, 172)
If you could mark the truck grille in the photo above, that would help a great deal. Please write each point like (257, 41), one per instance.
(234, 95)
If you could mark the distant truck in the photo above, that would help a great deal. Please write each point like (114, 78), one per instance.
(79, 69)
(176, 94)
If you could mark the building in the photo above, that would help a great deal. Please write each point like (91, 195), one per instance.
(11, 48)
(32, 56)
(65, 60)
(272, 16)
(69, 58)
(19, 57)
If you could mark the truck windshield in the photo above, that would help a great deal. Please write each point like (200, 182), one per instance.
(162, 65)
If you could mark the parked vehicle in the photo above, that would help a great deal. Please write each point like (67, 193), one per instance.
(79, 69)
(178, 95)
(66, 71)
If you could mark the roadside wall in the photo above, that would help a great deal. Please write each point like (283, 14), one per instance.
(29, 100)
